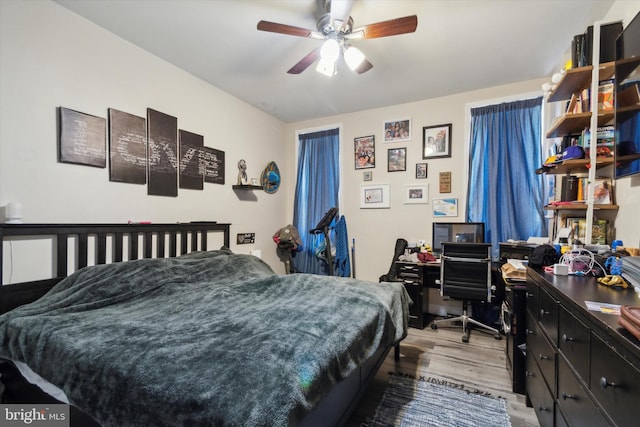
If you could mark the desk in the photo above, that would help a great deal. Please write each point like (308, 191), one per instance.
(418, 276)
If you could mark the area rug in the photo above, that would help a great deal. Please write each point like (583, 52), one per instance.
(426, 401)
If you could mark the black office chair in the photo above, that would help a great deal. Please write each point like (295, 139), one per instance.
(465, 274)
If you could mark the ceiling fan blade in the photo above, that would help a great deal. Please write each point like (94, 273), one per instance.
(364, 67)
(290, 30)
(305, 62)
(392, 27)
(340, 12)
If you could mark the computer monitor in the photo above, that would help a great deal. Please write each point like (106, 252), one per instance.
(460, 232)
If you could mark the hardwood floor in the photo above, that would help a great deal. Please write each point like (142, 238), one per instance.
(480, 363)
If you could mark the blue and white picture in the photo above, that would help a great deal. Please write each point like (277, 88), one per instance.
(445, 207)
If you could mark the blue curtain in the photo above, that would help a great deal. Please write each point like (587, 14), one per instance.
(317, 187)
(504, 190)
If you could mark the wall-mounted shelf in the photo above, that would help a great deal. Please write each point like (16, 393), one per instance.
(246, 187)
(576, 79)
(578, 165)
(576, 122)
(579, 207)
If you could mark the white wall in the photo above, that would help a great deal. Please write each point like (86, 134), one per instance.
(51, 57)
(376, 230)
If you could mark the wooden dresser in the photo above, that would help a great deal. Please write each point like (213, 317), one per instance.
(582, 367)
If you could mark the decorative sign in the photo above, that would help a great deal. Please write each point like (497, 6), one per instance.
(191, 174)
(212, 163)
(245, 238)
(82, 139)
(162, 154)
(127, 148)
(445, 182)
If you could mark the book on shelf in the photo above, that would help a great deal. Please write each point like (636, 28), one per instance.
(605, 136)
(605, 95)
(578, 227)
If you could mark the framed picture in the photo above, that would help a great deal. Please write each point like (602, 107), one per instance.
(421, 170)
(397, 159)
(602, 194)
(436, 141)
(445, 207)
(364, 149)
(397, 130)
(416, 194)
(367, 176)
(374, 196)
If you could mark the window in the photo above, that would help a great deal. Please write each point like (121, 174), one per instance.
(317, 190)
(504, 190)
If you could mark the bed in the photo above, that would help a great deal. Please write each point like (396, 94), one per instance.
(161, 330)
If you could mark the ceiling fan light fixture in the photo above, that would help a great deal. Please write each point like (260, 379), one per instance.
(353, 57)
(326, 67)
(330, 50)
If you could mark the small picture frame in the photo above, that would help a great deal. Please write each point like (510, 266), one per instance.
(436, 141)
(397, 159)
(421, 170)
(602, 191)
(416, 194)
(374, 196)
(397, 130)
(367, 175)
(364, 148)
(445, 207)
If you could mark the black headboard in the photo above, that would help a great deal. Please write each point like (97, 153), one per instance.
(183, 238)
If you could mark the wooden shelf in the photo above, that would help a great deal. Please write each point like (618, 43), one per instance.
(575, 123)
(577, 79)
(579, 207)
(578, 165)
(246, 187)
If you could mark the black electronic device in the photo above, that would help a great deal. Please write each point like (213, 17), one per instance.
(458, 232)
(627, 100)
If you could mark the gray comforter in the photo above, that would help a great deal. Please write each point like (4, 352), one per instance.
(209, 338)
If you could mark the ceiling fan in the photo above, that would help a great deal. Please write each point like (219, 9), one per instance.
(335, 26)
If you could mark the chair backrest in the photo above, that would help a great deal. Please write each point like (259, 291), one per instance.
(465, 271)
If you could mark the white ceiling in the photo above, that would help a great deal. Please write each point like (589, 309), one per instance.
(459, 45)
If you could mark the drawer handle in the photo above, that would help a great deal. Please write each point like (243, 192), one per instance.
(542, 312)
(542, 409)
(529, 295)
(543, 357)
(604, 383)
(530, 332)
(529, 374)
(565, 338)
(566, 396)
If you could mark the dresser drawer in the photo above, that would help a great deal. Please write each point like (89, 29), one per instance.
(574, 343)
(544, 354)
(615, 383)
(539, 394)
(548, 315)
(574, 400)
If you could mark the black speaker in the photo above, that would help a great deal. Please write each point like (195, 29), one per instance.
(569, 189)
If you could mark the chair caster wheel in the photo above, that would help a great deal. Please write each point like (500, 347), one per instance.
(465, 338)
(498, 336)
(434, 326)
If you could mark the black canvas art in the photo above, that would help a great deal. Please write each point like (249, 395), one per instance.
(82, 138)
(162, 154)
(127, 148)
(212, 162)
(191, 174)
